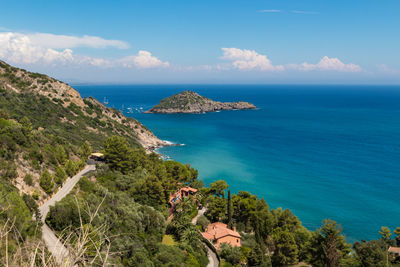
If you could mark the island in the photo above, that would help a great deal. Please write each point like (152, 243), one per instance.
(192, 102)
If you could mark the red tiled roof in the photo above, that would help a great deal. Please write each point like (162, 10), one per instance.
(207, 236)
(188, 189)
(394, 250)
(218, 230)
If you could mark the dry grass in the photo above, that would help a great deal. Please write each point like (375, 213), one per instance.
(87, 245)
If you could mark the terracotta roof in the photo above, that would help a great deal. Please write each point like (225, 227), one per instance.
(207, 236)
(187, 188)
(218, 230)
(394, 250)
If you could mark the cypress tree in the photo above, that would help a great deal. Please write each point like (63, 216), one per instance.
(230, 223)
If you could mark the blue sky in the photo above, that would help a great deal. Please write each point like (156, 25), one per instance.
(253, 41)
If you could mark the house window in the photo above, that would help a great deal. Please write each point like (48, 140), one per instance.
(237, 240)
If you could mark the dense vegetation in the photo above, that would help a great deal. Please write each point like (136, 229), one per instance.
(181, 101)
(135, 186)
(120, 213)
(44, 138)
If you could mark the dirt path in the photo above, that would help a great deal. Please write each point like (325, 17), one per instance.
(55, 246)
(201, 212)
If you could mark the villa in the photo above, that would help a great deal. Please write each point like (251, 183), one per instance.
(218, 233)
(394, 250)
(180, 194)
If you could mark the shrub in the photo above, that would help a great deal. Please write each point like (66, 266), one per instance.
(60, 175)
(60, 154)
(31, 204)
(85, 150)
(70, 168)
(203, 222)
(28, 179)
(46, 182)
(36, 194)
(36, 155)
(230, 254)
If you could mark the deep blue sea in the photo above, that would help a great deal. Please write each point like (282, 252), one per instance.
(320, 151)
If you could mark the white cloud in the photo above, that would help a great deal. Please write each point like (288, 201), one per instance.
(327, 64)
(18, 48)
(54, 41)
(50, 49)
(249, 60)
(143, 60)
(269, 11)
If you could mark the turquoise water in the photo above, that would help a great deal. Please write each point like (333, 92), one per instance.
(321, 151)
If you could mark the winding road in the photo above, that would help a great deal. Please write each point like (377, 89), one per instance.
(55, 246)
(212, 258)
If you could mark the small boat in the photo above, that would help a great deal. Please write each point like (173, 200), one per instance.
(105, 101)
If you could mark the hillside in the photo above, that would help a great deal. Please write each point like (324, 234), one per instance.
(59, 121)
(66, 105)
(191, 102)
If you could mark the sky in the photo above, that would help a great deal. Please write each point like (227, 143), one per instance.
(207, 41)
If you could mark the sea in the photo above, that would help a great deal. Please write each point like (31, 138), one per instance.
(321, 151)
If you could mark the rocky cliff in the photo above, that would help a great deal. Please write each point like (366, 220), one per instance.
(191, 102)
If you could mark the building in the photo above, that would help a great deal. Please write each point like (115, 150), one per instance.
(97, 156)
(218, 233)
(181, 193)
(394, 250)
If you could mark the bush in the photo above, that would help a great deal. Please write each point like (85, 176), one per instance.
(36, 195)
(28, 179)
(60, 175)
(70, 168)
(46, 182)
(36, 155)
(60, 154)
(230, 254)
(203, 222)
(64, 214)
(169, 256)
(31, 204)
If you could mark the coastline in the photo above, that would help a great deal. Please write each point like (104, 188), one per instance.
(167, 111)
(166, 143)
(285, 131)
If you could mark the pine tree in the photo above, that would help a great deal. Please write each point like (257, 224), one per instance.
(286, 250)
(328, 245)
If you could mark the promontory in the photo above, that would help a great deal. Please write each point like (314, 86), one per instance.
(192, 102)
